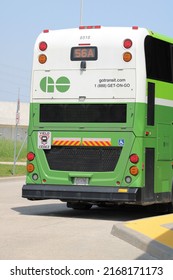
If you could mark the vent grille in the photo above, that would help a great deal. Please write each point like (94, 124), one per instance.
(83, 113)
(86, 159)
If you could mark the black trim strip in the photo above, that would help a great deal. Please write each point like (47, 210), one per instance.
(151, 104)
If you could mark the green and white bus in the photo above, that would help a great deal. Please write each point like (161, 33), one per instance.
(101, 117)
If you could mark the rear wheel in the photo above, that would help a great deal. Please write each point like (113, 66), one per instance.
(170, 205)
(79, 205)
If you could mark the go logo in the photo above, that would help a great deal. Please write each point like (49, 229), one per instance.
(62, 84)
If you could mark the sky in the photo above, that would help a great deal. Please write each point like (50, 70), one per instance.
(22, 21)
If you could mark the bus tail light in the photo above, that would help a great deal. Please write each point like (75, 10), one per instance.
(30, 167)
(35, 176)
(135, 27)
(30, 156)
(134, 158)
(127, 56)
(128, 179)
(42, 58)
(43, 46)
(90, 27)
(127, 43)
(134, 170)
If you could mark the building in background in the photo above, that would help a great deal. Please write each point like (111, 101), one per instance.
(8, 120)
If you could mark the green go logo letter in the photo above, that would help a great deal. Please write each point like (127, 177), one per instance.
(47, 84)
(63, 84)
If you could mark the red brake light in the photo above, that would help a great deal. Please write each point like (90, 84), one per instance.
(30, 156)
(134, 158)
(43, 46)
(127, 43)
(90, 27)
(135, 27)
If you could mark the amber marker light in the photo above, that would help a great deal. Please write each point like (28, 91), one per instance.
(134, 170)
(127, 56)
(42, 58)
(30, 167)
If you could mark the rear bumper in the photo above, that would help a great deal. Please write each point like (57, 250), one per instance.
(81, 193)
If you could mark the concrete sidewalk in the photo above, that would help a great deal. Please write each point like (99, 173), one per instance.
(153, 235)
(12, 178)
(11, 163)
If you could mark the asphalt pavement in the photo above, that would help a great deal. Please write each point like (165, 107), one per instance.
(153, 235)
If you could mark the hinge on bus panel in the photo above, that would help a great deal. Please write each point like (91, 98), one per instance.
(82, 98)
(83, 65)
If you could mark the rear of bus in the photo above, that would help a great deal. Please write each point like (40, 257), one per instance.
(87, 117)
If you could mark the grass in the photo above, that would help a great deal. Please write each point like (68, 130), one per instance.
(7, 154)
(6, 170)
(7, 150)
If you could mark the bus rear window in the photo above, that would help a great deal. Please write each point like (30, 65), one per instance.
(84, 53)
(159, 59)
(83, 113)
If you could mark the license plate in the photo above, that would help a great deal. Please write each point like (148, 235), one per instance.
(81, 181)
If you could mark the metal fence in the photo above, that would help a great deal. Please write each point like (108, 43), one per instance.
(8, 132)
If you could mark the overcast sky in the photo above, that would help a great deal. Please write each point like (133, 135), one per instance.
(21, 22)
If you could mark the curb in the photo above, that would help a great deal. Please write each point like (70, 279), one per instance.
(12, 163)
(150, 246)
(14, 178)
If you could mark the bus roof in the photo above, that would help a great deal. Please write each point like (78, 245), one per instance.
(131, 31)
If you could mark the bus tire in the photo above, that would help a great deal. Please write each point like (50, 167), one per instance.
(170, 204)
(79, 205)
